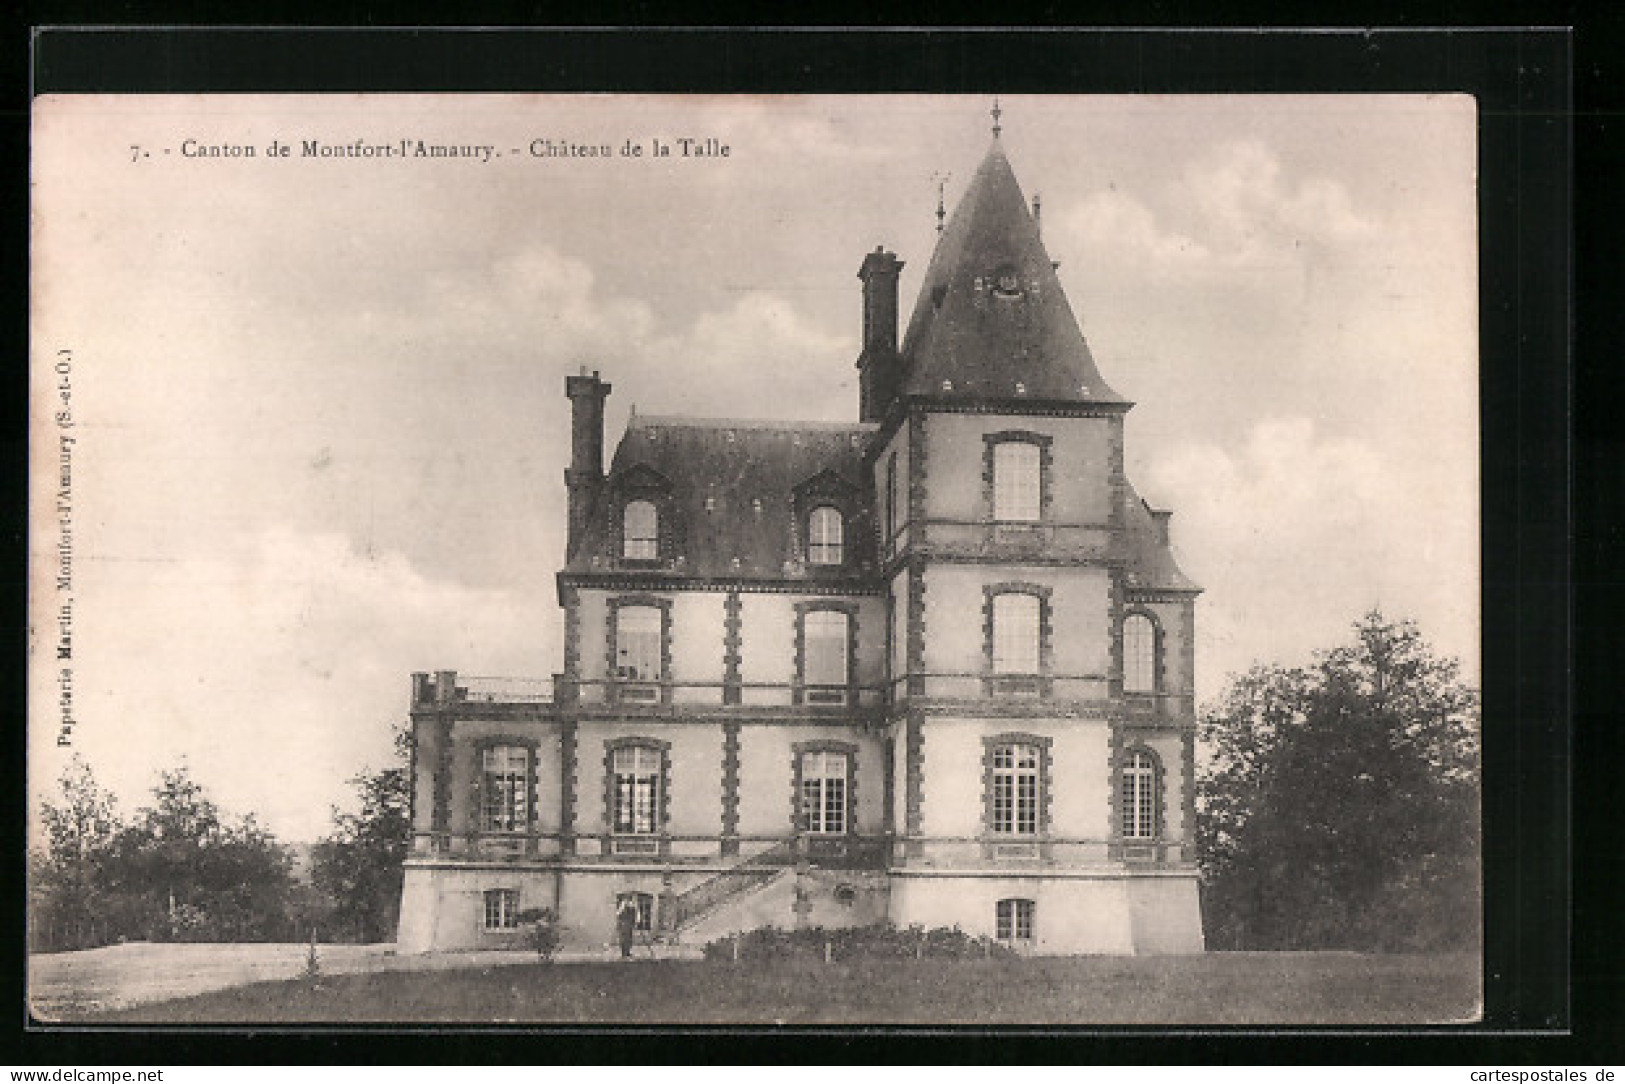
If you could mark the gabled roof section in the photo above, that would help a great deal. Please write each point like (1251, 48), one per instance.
(733, 494)
(992, 321)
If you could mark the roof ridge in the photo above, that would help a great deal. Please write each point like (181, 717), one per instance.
(678, 421)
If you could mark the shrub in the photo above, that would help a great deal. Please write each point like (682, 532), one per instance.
(879, 941)
(544, 930)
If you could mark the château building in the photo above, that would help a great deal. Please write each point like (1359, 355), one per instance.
(934, 666)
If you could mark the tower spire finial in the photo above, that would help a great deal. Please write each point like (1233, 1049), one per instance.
(997, 112)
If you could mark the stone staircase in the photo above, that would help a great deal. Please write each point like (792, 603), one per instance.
(731, 885)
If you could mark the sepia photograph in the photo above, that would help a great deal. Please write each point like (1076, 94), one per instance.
(829, 560)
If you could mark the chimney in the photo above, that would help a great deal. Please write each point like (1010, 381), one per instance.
(877, 365)
(585, 474)
(1159, 519)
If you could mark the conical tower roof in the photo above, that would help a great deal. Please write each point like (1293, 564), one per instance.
(992, 321)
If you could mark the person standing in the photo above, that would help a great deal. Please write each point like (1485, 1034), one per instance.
(626, 921)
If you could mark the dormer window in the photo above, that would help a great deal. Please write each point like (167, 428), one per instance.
(1006, 282)
(640, 531)
(825, 536)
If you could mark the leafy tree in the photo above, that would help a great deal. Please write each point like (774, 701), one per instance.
(67, 901)
(181, 871)
(1339, 803)
(358, 866)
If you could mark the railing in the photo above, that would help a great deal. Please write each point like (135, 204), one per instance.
(708, 895)
(505, 690)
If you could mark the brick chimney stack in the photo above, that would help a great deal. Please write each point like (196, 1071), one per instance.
(1159, 519)
(585, 475)
(877, 365)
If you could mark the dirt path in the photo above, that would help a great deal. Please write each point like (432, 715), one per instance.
(116, 976)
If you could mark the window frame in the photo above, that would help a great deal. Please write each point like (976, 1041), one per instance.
(1009, 916)
(1139, 806)
(799, 752)
(835, 553)
(507, 910)
(651, 541)
(646, 769)
(635, 841)
(994, 832)
(824, 694)
(892, 518)
(645, 904)
(624, 690)
(525, 820)
(1043, 480)
(823, 792)
(1155, 648)
(996, 682)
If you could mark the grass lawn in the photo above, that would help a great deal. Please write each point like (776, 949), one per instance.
(1218, 988)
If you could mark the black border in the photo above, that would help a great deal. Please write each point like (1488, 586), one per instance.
(1521, 79)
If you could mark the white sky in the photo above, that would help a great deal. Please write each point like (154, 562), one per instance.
(321, 422)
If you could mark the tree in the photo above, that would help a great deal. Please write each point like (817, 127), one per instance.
(67, 901)
(1339, 803)
(182, 872)
(359, 865)
(179, 870)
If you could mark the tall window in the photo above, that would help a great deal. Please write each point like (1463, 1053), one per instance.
(1015, 790)
(504, 788)
(825, 541)
(1016, 482)
(640, 531)
(636, 770)
(1139, 654)
(1015, 633)
(502, 909)
(1015, 920)
(825, 633)
(1139, 805)
(823, 793)
(891, 497)
(637, 644)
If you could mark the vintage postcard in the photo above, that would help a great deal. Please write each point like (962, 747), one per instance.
(864, 559)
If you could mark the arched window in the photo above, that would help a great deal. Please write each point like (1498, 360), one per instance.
(1139, 798)
(504, 788)
(1015, 790)
(502, 909)
(1014, 920)
(1015, 633)
(824, 793)
(640, 531)
(1016, 482)
(826, 536)
(826, 655)
(636, 772)
(1139, 654)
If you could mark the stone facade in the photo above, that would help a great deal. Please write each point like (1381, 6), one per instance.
(932, 667)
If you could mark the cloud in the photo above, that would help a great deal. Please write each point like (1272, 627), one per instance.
(1296, 534)
(1114, 226)
(1235, 208)
(760, 357)
(275, 667)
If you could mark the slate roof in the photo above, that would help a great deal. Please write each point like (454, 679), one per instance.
(984, 340)
(1148, 559)
(732, 492)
